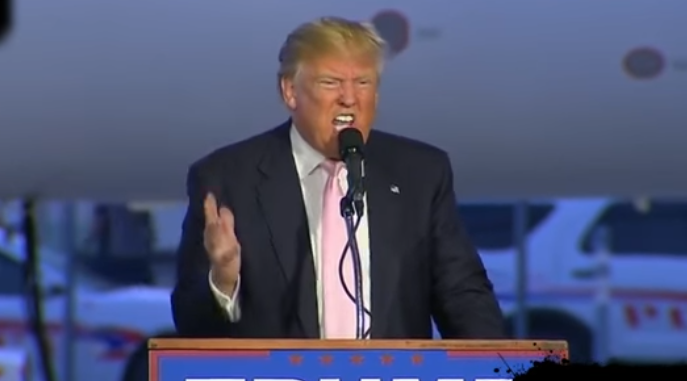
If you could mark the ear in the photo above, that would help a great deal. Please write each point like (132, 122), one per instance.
(288, 92)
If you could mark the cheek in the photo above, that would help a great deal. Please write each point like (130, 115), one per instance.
(313, 101)
(369, 103)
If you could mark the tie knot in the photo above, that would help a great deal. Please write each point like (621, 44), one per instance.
(332, 167)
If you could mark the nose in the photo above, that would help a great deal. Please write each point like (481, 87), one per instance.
(348, 96)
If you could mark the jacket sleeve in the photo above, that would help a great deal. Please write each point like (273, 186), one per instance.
(195, 308)
(464, 305)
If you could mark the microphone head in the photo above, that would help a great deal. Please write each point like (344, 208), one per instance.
(350, 142)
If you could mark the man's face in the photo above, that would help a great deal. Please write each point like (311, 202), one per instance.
(332, 93)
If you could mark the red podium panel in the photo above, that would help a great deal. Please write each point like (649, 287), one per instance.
(345, 360)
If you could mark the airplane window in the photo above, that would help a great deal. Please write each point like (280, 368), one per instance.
(492, 226)
(11, 276)
(660, 229)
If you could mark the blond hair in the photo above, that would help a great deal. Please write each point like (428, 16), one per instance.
(329, 35)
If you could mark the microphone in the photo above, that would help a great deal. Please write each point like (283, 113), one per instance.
(351, 150)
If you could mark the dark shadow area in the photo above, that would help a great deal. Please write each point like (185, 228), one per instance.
(554, 369)
(120, 246)
(121, 271)
(5, 19)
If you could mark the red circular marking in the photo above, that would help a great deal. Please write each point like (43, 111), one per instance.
(631, 316)
(405, 37)
(676, 318)
(644, 52)
(650, 311)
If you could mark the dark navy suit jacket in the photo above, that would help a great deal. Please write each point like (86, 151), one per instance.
(423, 265)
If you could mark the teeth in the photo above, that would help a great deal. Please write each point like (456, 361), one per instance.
(344, 119)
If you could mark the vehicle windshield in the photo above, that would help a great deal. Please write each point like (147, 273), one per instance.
(491, 226)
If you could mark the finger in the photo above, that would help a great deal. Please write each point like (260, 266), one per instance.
(227, 218)
(214, 241)
(210, 206)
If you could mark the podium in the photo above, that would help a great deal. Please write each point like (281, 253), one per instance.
(345, 360)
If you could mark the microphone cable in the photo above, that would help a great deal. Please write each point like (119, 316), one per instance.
(357, 271)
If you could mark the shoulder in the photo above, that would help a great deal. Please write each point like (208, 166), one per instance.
(408, 151)
(422, 168)
(242, 154)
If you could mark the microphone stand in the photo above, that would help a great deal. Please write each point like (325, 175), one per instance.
(347, 211)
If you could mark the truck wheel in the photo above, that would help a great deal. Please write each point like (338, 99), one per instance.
(555, 325)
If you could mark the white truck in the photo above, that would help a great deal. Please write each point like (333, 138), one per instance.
(643, 297)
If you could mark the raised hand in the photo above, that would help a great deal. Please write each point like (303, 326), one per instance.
(222, 246)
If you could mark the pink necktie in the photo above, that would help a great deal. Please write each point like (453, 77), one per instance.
(339, 310)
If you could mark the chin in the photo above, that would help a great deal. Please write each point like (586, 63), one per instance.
(332, 151)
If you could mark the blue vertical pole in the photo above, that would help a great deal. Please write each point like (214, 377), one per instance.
(520, 231)
(603, 293)
(70, 302)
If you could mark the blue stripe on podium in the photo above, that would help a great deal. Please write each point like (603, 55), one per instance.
(344, 365)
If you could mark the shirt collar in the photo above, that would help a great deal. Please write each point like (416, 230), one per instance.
(307, 158)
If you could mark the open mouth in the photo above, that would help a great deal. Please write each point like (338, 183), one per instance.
(342, 121)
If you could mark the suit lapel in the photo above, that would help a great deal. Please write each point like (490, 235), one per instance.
(281, 200)
(385, 220)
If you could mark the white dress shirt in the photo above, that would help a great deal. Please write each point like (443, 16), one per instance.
(312, 179)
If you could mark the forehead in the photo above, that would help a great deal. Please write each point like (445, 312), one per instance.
(342, 65)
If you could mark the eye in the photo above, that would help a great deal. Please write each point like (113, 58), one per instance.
(328, 82)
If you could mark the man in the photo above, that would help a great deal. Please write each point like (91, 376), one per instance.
(263, 236)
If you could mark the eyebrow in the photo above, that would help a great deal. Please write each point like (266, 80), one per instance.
(339, 78)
